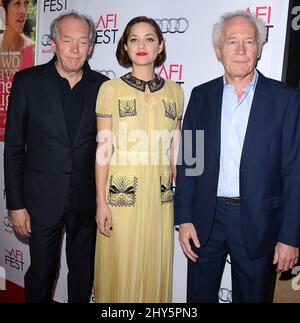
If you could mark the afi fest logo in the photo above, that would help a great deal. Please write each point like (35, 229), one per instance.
(14, 259)
(265, 13)
(173, 25)
(2, 278)
(296, 19)
(54, 5)
(106, 29)
(172, 72)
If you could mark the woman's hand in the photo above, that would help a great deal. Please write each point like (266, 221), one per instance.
(104, 219)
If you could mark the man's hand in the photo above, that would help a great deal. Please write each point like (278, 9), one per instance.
(21, 222)
(285, 257)
(186, 232)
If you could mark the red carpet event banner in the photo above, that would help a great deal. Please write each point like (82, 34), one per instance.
(187, 28)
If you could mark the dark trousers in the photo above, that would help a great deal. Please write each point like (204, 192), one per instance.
(252, 279)
(45, 247)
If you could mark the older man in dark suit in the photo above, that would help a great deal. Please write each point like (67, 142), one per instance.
(49, 157)
(247, 201)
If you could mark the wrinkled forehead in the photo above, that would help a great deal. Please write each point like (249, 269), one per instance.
(73, 24)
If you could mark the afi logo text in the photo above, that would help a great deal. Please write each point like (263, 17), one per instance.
(54, 5)
(106, 29)
(172, 72)
(14, 259)
(263, 12)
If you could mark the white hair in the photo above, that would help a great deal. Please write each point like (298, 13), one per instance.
(260, 26)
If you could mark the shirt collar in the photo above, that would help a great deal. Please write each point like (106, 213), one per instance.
(85, 69)
(247, 87)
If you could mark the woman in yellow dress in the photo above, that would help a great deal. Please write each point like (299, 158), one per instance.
(138, 119)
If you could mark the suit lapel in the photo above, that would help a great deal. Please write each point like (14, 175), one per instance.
(216, 104)
(49, 84)
(257, 114)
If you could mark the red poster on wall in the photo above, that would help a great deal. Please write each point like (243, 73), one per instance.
(17, 46)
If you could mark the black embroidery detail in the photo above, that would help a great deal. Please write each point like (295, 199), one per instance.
(122, 191)
(154, 85)
(166, 188)
(170, 109)
(104, 115)
(127, 108)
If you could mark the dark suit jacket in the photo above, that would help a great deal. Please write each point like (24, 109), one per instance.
(39, 155)
(269, 167)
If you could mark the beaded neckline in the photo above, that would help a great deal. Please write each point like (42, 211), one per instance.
(154, 85)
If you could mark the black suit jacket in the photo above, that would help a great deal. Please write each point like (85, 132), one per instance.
(39, 155)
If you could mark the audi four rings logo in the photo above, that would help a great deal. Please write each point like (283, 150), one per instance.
(225, 295)
(173, 25)
(109, 73)
(46, 40)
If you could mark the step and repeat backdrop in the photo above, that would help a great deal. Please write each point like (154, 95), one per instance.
(187, 27)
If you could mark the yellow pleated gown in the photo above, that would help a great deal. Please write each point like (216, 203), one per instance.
(135, 263)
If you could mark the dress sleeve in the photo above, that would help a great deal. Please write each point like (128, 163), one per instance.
(180, 102)
(105, 100)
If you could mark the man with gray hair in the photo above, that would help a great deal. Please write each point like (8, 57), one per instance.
(49, 158)
(246, 203)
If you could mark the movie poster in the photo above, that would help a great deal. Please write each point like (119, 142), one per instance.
(17, 46)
